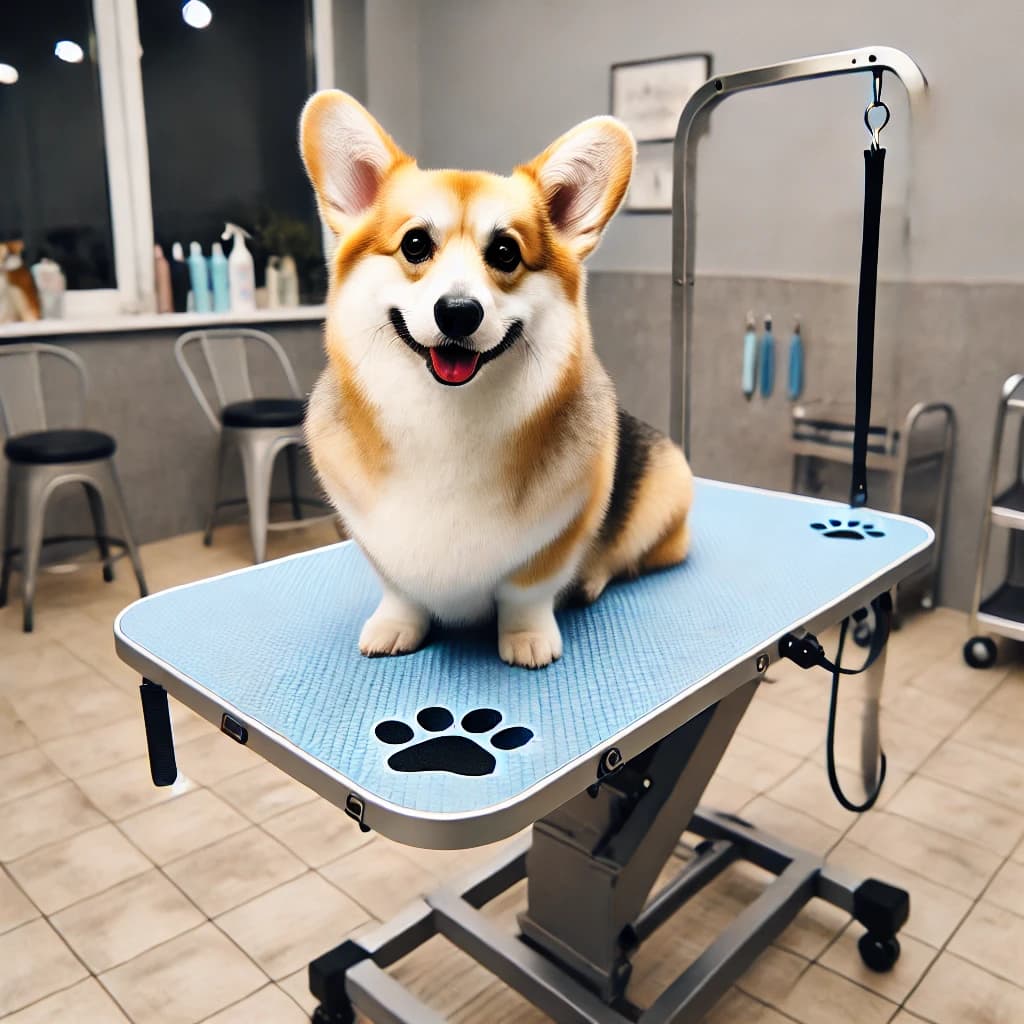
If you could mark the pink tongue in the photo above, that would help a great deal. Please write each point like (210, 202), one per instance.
(454, 365)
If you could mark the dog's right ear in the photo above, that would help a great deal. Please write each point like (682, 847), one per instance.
(347, 156)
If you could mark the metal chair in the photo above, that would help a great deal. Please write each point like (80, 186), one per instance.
(41, 458)
(259, 428)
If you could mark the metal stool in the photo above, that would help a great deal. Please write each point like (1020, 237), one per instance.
(39, 460)
(259, 428)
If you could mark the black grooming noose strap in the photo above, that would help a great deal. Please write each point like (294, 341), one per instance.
(874, 164)
(806, 651)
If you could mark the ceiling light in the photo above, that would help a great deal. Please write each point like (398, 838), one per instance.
(8, 74)
(197, 14)
(69, 51)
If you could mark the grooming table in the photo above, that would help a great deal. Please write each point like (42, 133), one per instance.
(608, 750)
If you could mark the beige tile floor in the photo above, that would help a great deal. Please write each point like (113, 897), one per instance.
(204, 902)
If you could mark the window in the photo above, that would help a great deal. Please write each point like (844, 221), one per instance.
(150, 129)
(222, 107)
(53, 176)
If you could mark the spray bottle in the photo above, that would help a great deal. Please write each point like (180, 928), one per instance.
(241, 274)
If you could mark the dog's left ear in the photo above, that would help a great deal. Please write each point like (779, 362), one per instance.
(583, 177)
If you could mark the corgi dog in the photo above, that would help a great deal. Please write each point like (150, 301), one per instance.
(464, 427)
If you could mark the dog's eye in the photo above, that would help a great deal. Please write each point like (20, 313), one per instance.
(417, 246)
(503, 254)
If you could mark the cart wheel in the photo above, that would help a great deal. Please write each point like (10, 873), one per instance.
(878, 954)
(108, 574)
(862, 634)
(324, 1016)
(980, 652)
(927, 602)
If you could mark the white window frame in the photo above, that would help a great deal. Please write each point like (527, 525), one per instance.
(119, 55)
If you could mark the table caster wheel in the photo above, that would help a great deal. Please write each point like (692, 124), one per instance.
(878, 954)
(980, 652)
(108, 574)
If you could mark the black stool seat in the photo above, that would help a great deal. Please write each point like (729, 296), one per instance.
(53, 446)
(264, 412)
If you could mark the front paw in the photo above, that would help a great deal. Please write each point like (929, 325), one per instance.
(531, 648)
(382, 637)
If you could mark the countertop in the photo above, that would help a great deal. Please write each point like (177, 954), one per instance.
(115, 324)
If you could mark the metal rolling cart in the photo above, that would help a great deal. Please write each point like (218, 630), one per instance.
(1002, 612)
(607, 752)
(920, 447)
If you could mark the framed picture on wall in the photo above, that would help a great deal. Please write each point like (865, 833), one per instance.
(650, 191)
(649, 95)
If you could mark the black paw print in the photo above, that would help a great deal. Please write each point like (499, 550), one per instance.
(450, 752)
(852, 530)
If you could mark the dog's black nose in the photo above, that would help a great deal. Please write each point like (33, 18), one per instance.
(457, 315)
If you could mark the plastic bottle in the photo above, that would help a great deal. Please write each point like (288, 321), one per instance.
(200, 278)
(241, 271)
(219, 280)
(289, 282)
(179, 278)
(162, 279)
(50, 285)
(273, 282)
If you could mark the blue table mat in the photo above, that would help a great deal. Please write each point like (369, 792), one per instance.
(279, 643)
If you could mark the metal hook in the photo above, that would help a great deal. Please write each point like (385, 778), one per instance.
(876, 104)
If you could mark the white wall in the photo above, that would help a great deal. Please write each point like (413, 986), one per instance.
(780, 174)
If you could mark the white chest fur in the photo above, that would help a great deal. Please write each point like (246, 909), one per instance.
(447, 524)
(445, 533)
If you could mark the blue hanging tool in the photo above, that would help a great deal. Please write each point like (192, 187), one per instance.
(767, 358)
(750, 358)
(796, 363)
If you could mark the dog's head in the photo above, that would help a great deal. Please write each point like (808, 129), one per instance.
(461, 266)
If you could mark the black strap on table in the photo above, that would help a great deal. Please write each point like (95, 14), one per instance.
(807, 652)
(830, 743)
(874, 165)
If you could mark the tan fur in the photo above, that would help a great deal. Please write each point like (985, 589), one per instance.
(655, 534)
(551, 559)
(345, 439)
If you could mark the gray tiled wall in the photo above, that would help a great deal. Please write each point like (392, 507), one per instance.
(953, 342)
(949, 342)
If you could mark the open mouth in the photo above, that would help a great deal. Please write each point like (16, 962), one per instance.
(452, 363)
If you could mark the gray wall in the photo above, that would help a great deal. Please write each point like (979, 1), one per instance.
(478, 83)
(393, 68)
(952, 342)
(780, 172)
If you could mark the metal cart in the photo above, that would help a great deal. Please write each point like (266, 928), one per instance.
(919, 448)
(1002, 612)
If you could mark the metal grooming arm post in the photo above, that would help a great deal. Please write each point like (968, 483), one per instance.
(684, 217)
